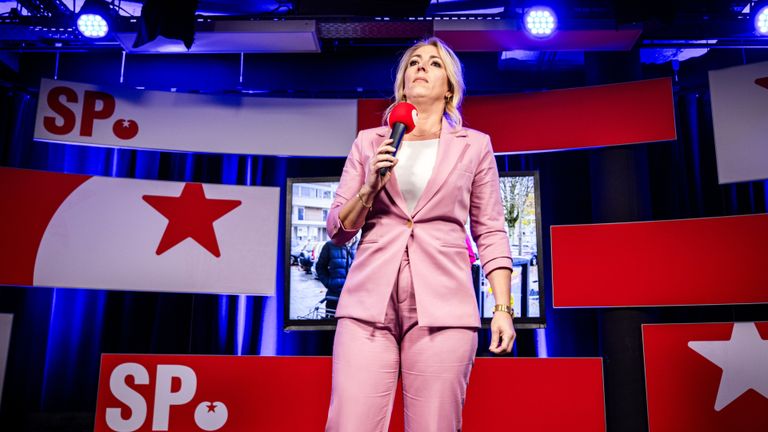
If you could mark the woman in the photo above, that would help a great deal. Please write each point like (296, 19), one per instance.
(408, 304)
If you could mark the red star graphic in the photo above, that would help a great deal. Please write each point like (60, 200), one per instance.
(190, 215)
(211, 407)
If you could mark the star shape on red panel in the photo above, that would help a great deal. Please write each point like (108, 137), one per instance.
(743, 360)
(190, 215)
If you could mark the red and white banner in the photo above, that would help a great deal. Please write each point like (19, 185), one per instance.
(63, 230)
(79, 113)
(288, 394)
(703, 261)
(627, 113)
(616, 114)
(707, 377)
(739, 107)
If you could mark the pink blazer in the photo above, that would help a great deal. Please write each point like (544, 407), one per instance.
(464, 182)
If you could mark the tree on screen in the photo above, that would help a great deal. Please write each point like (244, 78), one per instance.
(516, 194)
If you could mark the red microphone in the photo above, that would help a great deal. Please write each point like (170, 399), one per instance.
(402, 120)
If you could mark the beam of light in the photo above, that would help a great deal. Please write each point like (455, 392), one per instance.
(541, 343)
(242, 318)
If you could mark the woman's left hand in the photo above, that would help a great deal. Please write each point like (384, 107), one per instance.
(502, 333)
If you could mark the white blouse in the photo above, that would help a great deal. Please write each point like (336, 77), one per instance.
(416, 160)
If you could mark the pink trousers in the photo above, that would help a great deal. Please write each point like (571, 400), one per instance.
(435, 364)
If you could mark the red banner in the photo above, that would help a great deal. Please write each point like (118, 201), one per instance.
(26, 217)
(664, 263)
(615, 114)
(506, 35)
(707, 377)
(229, 393)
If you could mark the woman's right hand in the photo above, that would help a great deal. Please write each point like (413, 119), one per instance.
(382, 159)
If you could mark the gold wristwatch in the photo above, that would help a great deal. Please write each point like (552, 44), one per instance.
(504, 308)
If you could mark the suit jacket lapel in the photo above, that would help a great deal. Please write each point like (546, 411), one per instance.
(450, 147)
(393, 189)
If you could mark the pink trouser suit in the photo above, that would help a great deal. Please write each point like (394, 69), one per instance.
(408, 307)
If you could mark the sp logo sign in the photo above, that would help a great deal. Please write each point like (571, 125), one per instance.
(175, 385)
(93, 106)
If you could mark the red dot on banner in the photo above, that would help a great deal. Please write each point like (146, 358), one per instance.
(211, 416)
(125, 129)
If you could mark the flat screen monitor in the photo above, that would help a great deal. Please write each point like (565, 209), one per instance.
(309, 306)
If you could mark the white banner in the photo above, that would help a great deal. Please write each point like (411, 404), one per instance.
(88, 114)
(739, 114)
(162, 236)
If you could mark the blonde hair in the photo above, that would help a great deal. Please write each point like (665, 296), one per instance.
(453, 70)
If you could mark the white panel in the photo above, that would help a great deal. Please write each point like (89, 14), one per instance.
(740, 117)
(236, 37)
(104, 235)
(209, 124)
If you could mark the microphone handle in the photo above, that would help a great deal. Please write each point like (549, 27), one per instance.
(398, 130)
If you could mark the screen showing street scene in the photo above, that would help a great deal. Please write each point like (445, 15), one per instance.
(518, 196)
(318, 268)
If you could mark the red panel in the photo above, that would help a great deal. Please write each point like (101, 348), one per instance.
(682, 386)
(616, 114)
(293, 393)
(663, 263)
(28, 200)
(563, 40)
(370, 112)
(543, 395)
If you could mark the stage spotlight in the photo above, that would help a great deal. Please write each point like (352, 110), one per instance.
(761, 18)
(93, 19)
(92, 26)
(540, 21)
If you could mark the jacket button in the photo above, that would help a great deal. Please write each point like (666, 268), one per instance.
(409, 223)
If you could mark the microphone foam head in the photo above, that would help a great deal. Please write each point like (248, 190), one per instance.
(404, 113)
